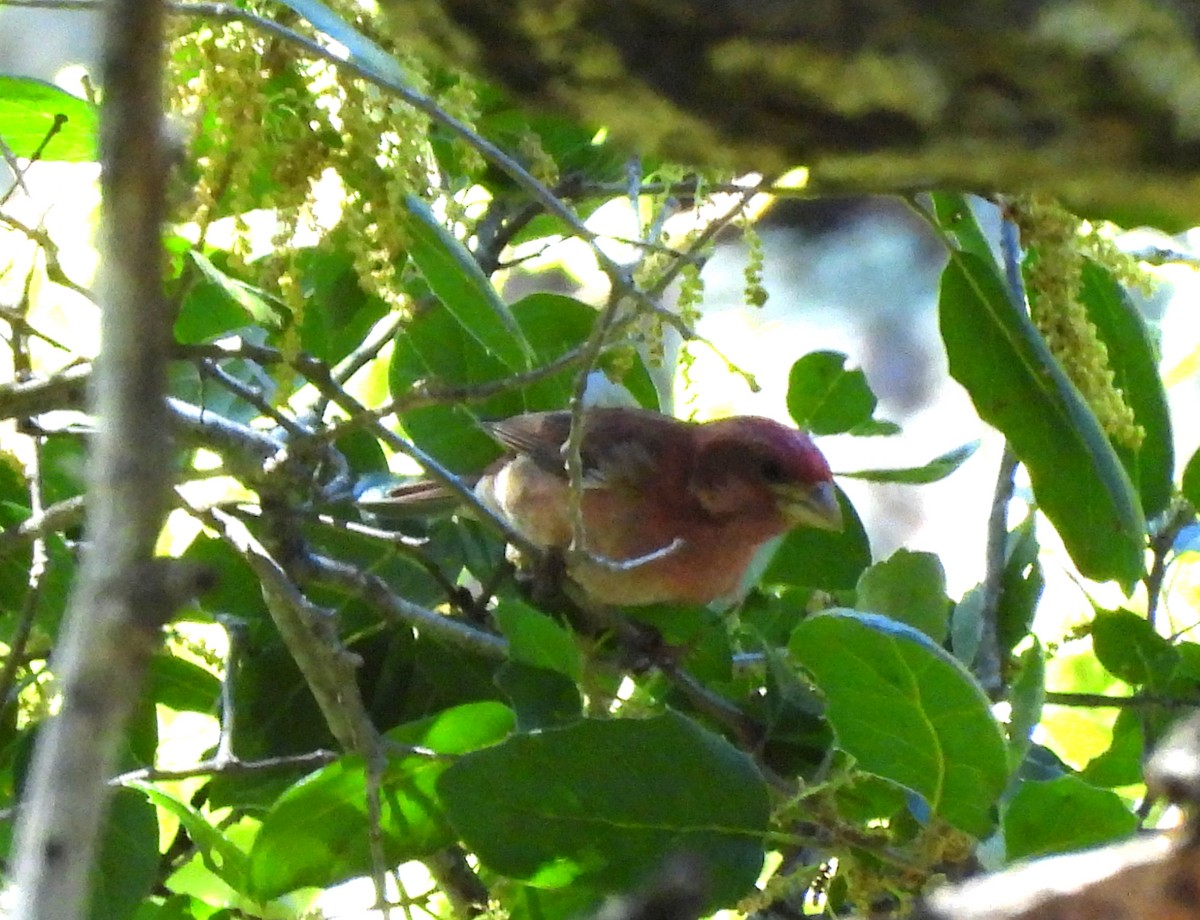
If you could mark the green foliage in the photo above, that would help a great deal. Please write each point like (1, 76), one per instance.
(551, 810)
(1016, 385)
(32, 111)
(832, 713)
(317, 833)
(826, 398)
(889, 688)
(1083, 816)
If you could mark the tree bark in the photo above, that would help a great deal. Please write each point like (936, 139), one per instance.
(123, 594)
(1095, 100)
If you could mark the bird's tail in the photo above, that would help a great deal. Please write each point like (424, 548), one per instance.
(414, 499)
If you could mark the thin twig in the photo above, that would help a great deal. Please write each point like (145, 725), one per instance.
(1162, 543)
(988, 664)
(374, 591)
(1138, 701)
(56, 518)
(65, 389)
(230, 766)
(328, 668)
(19, 174)
(368, 348)
(54, 269)
(39, 561)
(409, 547)
(318, 375)
(251, 397)
(235, 637)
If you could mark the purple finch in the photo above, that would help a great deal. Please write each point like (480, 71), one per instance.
(671, 511)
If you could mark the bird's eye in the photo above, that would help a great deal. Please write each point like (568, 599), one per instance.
(772, 470)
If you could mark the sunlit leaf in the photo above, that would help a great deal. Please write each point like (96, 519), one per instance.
(1133, 357)
(318, 832)
(825, 397)
(359, 49)
(907, 711)
(221, 856)
(1018, 387)
(28, 112)
(1063, 814)
(1130, 648)
(537, 640)
(1191, 480)
(459, 283)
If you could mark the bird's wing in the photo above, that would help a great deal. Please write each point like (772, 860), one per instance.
(541, 435)
(611, 457)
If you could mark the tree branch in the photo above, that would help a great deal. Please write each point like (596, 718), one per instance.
(122, 596)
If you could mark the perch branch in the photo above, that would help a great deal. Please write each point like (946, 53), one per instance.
(123, 594)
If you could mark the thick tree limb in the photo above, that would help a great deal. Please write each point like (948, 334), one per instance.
(123, 595)
(1091, 99)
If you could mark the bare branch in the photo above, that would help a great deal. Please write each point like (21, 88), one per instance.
(230, 766)
(64, 390)
(374, 591)
(122, 596)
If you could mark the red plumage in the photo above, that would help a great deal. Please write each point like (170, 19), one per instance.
(693, 501)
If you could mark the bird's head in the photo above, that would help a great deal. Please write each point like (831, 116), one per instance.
(757, 468)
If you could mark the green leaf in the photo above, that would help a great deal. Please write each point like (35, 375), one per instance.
(363, 52)
(455, 277)
(936, 469)
(953, 216)
(966, 625)
(822, 559)
(338, 313)
(1063, 814)
(910, 588)
(436, 348)
(1191, 480)
(677, 624)
(826, 398)
(537, 640)
(1129, 648)
(541, 698)
(127, 863)
(1017, 386)
(317, 833)
(1021, 585)
(183, 685)
(221, 857)
(28, 109)
(1134, 361)
(1028, 695)
(1121, 763)
(600, 805)
(218, 303)
(554, 324)
(907, 711)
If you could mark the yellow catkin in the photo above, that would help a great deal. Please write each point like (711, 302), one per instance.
(1054, 276)
(755, 292)
(268, 125)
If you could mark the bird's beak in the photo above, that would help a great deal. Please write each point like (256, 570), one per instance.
(814, 505)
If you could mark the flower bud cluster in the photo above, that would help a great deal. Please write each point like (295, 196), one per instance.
(1057, 246)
